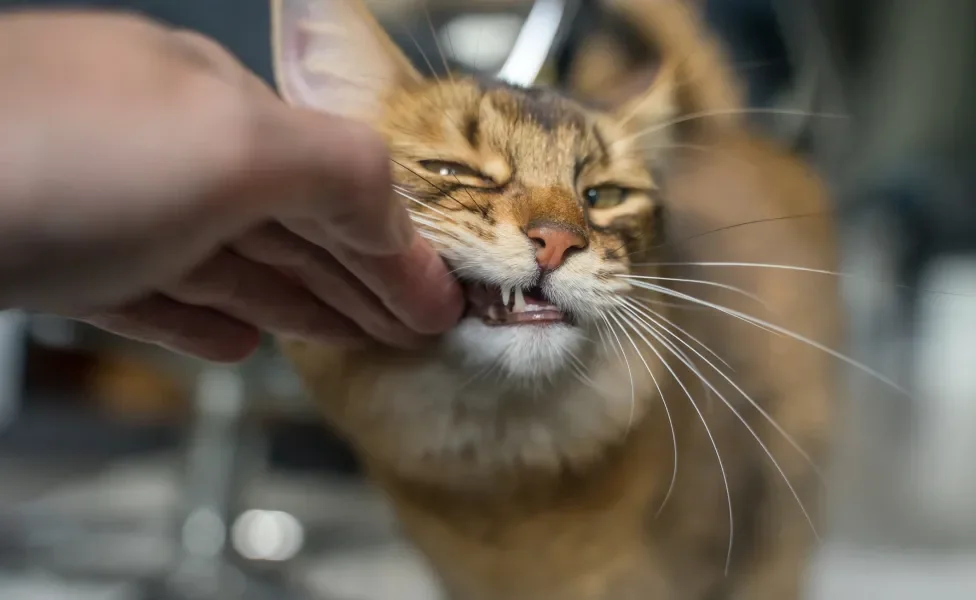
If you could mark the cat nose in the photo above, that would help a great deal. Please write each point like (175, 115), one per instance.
(554, 244)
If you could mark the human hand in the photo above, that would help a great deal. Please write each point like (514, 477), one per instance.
(151, 185)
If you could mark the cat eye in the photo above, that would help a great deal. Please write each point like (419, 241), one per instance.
(606, 196)
(451, 169)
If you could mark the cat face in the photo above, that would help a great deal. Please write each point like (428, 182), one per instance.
(536, 203)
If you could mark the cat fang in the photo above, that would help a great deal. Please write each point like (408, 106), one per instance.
(506, 306)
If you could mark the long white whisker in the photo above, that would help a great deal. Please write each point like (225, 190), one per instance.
(630, 373)
(432, 237)
(604, 341)
(777, 329)
(433, 224)
(724, 286)
(399, 190)
(420, 219)
(756, 405)
(752, 431)
(676, 294)
(675, 305)
(667, 410)
(708, 431)
(682, 330)
(800, 270)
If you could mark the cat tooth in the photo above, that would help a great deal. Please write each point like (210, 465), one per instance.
(519, 301)
(506, 295)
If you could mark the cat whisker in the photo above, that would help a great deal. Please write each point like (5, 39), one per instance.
(437, 44)
(649, 316)
(673, 305)
(682, 330)
(737, 67)
(676, 294)
(404, 193)
(459, 269)
(483, 210)
(735, 226)
(481, 374)
(422, 219)
(654, 333)
(630, 373)
(428, 182)
(802, 270)
(667, 410)
(432, 237)
(765, 325)
(724, 286)
(578, 370)
(619, 314)
(423, 54)
(725, 112)
(707, 149)
(605, 340)
(419, 218)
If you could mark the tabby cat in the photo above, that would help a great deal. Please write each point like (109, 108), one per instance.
(627, 410)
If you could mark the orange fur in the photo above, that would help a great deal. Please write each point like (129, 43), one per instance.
(523, 479)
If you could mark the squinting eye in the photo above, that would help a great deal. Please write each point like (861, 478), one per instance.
(450, 169)
(606, 196)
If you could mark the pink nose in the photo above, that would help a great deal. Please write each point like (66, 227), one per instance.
(554, 245)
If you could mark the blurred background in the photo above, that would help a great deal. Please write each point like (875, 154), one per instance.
(129, 473)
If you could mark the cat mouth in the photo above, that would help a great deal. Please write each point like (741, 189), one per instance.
(497, 306)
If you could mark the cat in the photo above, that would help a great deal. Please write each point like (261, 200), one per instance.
(627, 411)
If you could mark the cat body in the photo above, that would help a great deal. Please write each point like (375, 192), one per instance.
(598, 426)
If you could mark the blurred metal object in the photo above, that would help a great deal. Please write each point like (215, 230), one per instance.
(513, 40)
(536, 41)
(216, 466)
(225, 451)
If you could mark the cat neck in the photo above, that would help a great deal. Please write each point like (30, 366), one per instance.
(443, 427)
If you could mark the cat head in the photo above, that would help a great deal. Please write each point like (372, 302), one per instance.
(540, 204)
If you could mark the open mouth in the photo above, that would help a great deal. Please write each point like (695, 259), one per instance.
(511, 306)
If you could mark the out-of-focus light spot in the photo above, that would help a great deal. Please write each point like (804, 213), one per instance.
(203, 533)
(481, 42)
(267, 535)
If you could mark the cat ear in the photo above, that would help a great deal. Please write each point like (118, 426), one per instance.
(332, 55)
(660, 72)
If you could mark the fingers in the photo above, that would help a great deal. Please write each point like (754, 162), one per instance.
(265, 298)
(415, 285)
(327, 279)
(200, 332)
(330, 183)
(345, 169)
(347, 207)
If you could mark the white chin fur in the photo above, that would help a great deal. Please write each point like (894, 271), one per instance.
(522, 352)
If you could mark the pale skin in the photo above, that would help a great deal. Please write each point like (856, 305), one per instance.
(152, 186)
